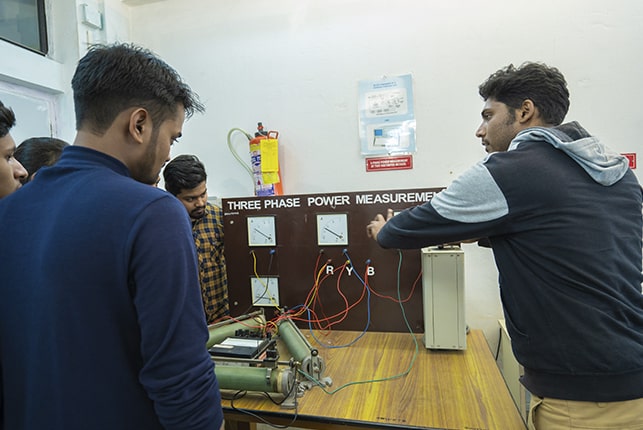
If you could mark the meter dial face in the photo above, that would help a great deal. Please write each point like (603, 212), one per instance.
(332, 229)
(261, 231)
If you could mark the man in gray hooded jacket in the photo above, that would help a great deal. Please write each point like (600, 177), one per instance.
(562, 213)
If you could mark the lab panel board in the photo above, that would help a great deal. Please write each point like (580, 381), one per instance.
(329, 272)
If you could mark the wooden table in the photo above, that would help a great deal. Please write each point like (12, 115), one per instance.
(443, 390)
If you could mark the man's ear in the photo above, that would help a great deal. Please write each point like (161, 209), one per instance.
(527, 112)
(140, 124)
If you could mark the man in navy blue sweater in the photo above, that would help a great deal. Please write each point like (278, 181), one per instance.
(101, 321)
(562, 213)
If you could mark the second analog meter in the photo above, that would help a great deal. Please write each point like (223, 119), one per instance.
(332, 229)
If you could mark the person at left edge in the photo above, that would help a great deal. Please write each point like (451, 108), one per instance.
(101, 321)
(12, 173)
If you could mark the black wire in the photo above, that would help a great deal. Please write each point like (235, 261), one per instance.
(241, 393)
(284, 399)
(499, 340)
(273, 400)
(264, 293)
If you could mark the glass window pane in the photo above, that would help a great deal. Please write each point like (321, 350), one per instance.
(23, 22)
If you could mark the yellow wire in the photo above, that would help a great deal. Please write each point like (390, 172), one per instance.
(265, 286)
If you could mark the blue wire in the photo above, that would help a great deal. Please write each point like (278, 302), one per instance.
(368, 312)
(400, 375)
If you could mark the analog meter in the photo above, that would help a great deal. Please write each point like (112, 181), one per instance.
(261, 231)
(332, 229)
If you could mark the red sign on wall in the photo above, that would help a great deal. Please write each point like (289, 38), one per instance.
(397, 162)
(631, 156)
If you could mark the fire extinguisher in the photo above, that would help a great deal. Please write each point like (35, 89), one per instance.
(264, 161)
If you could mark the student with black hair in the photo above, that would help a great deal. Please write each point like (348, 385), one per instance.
(101, 320)
(38, 152)
(185, 178)
(12, 172)
(562, 213)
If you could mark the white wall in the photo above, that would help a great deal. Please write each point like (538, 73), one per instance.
(295, 64)
(46, 79)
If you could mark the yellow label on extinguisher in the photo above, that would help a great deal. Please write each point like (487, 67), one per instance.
(269, 155)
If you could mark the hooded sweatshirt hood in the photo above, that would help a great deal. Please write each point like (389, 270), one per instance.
(604, 165)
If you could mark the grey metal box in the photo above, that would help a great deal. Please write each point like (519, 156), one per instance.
(443, 298)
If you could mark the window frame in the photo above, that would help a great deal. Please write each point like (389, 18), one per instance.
(43, 39)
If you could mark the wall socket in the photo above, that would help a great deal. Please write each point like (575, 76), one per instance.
(265, 291)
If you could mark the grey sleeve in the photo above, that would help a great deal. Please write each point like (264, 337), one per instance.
(471, 207)
(472, 198)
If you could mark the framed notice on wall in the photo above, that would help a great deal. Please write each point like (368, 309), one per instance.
(386, 116)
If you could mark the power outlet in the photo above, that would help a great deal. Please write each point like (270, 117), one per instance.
(265, 291)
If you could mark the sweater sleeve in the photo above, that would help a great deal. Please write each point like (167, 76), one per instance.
(471, 207)
(177, 371)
